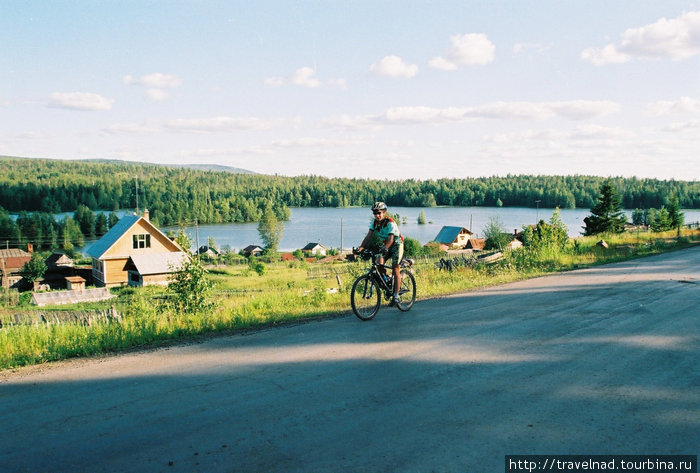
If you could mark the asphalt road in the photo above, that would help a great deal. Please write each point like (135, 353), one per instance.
(596, 361)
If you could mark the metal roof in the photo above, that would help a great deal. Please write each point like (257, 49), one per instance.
(101, 246)
(449, 234)
(157, 263)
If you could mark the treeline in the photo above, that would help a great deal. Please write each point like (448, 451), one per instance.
(176, 196)
(44, 232)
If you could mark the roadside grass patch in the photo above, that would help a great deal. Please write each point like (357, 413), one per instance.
(244, 300)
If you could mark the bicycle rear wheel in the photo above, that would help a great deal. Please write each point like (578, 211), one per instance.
(407, 291)
(365, 298)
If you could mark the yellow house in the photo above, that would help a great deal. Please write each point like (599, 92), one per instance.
(133, 237)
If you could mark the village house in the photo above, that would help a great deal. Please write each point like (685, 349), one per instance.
(453, 237)
(254, 250)
(208, 252)
(315, 249)
(133, 245)
(11, 262)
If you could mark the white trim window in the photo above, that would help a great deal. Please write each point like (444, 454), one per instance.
(142, 240)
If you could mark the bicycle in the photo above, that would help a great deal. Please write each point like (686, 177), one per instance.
(366, 293)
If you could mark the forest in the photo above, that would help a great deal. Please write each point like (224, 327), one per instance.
(178, 195)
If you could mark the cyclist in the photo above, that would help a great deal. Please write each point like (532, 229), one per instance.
(388, 232)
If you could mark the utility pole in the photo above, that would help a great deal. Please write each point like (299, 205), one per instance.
(537, 219)
(136, 178)
(196, 226)
(341, 234)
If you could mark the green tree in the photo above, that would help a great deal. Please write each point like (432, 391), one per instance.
(638, 217)
(9, 231)
(607, 214)
(33, 269)
(661, 221)
(101, 225)
(421, 218)
(270, 229)
(496, 235)
(412, 247)
(86, 220)
(70, 234)
(191, 288)
(552, 235)
(675, 216)
(183, 240)
(113, 219)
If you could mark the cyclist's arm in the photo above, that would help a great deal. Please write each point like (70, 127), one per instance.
(365, 241)
(389, 241)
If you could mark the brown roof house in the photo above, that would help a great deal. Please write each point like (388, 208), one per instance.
(134, 252)
(11, 262)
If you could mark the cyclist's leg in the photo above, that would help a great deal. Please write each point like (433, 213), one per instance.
(396, 257)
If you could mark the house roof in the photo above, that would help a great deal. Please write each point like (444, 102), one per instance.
(449, 234)
(476, 243)
(252, 248)
(312, 246)
(14, 263)
(13, 252)
(101, 246)
(58, 260)
(207, 249)
(157, 263)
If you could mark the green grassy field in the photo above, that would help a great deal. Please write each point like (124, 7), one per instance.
(285, 292)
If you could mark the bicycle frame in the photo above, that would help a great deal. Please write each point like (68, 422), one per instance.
(366, 292)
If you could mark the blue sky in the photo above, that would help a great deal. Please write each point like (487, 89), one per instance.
(368, 89)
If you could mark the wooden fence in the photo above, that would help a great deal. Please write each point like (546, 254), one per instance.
(79, 317)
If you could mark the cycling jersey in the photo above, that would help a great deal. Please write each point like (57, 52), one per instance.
(385, 228)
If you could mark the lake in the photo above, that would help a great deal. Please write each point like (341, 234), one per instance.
(346, 227)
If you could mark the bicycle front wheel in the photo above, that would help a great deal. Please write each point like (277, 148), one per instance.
(407, 291)
(365, 298)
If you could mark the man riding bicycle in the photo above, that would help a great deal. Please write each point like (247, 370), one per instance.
(388, 232)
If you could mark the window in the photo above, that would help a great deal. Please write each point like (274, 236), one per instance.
(142, 241)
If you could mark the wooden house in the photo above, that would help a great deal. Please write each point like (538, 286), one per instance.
(475, 244)
(453, 236)
(133, 236)
(11, 262)
(154, 268)
(315, 249)
(254, 250)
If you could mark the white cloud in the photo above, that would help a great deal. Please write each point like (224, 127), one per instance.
(130, 129)
(223, 124)
(597, 132)
(675, 39)
(308, 142)
(394, 66)
(571, 110)
(519, 48)
(155, 80)
(682, 126)
(607, 55)
(338, 84)
(155, 84)
(667, 107)
(304, 77)
(471, 49)
(275, 82)
(157, 95)
(80, 101)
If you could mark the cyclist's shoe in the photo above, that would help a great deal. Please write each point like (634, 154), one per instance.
(394, 301)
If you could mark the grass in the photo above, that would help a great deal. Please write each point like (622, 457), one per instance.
(246, 300)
